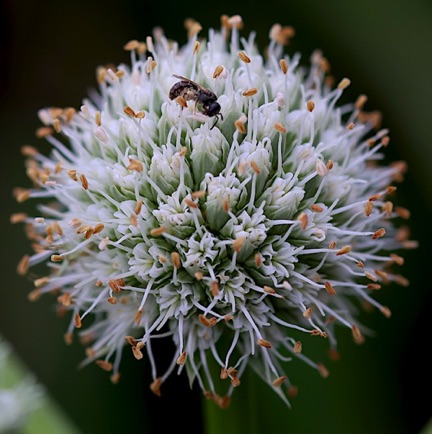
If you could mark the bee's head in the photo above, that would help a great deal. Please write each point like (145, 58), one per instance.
(212, 109)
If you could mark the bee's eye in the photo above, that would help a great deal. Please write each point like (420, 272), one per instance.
(213, 109)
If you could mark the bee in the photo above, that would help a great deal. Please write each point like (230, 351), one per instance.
(192, 91)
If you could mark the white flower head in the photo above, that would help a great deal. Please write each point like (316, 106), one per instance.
(207, 194)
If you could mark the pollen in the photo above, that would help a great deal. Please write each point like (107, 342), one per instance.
(23, 265)
(283, 66)
(358, 337)
(244, 57)
(279, 127)
(131, 45)
(56, 258)
(190, 203)
(138, 315)
(240, 125)
(343, 251)
(368, 208)
(329, 288)
(206, 321)
(238, 243)
(215, 288)
(181, 101)
(310, 105)
(77, 321)
(129, 111)
(106, 366)
(402, 212)
(198, 194)
(175, 259)
(323, 370)
(307, 313)
(379, 233)
(386, 311)
(298, 347)
(278, 381)
(65, 299)
(360, 102)
(116, 284)
(316, 208)
(112, 300)
(397, 259)
(84, 182)
(375, 197)
(181, 360)
(135, 165)
(218, 71)
(158, 231)
(303, 219)
(43, 132)
(344, 83)
(269, 290)
(250, 92)
(137, 353)
(264, 343)
(255, 167)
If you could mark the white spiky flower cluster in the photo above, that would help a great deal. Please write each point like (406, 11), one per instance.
(231, 238)
(18, 399)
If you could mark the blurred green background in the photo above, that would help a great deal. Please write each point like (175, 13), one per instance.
(50, 51)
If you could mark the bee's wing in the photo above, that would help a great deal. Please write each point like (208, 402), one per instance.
(193, 83)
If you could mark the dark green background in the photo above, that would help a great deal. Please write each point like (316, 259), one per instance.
(50, 50)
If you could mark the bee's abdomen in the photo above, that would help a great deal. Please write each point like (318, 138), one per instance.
(183, 89)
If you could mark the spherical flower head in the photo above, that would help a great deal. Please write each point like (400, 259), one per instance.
(219, 198)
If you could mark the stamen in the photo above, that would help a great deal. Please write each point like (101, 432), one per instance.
(131, 45)
(215, 288)
(264, 343)
(106, 366)
(175, 259)
(344, 83)
(244, 57)
(43, 132)
(402, 212)
(378, 234)
(77, 321)
(218, 71)
(344, 250)
(250, 92)
(358, 337)
(368, 208)
(298, 347)
(329, 288)
(23, 265)
(238, 244)
(278, 381)
(307, 313)
(158, 231)
(310, 105)
(182, 358)
(56, 258)
(283, 65)
(316, 208)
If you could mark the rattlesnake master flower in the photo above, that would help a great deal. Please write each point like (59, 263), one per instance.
(239, 241)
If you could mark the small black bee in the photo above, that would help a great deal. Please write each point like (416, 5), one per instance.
(192, 91)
